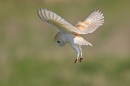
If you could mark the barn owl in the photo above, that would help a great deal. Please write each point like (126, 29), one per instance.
(68, 33)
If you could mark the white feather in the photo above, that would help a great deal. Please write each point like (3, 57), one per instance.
(53, 19)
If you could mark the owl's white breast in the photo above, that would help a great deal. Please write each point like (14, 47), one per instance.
(69, 37)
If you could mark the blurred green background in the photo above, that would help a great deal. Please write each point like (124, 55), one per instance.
(29, 57)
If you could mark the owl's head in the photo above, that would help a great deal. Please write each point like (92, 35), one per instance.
(59, 40)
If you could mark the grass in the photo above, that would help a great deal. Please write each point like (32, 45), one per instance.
(100, 71)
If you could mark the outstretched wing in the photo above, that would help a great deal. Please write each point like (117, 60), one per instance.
(55, 20)
(91, 23)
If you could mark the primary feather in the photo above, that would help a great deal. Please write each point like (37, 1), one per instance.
(91, 23)
(53, 19)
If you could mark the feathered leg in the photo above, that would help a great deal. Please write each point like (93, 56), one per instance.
(78, 40)
(81, 58)
(77, 52)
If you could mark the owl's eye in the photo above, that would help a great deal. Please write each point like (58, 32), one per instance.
(58, 41)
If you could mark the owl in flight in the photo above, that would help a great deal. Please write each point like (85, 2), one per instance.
(68, 33)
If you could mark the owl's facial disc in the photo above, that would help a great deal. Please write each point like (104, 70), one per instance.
(59, 43)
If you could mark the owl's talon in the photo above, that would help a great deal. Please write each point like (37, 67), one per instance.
(81, 59)
(76, 60)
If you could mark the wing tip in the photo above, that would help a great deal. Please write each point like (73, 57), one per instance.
(43, 14)
(40, 14)
(100, 15)
(40, 9)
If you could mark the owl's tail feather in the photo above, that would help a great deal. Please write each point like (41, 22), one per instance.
(81, 41)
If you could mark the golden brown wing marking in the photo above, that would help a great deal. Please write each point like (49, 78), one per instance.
(82, 25)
